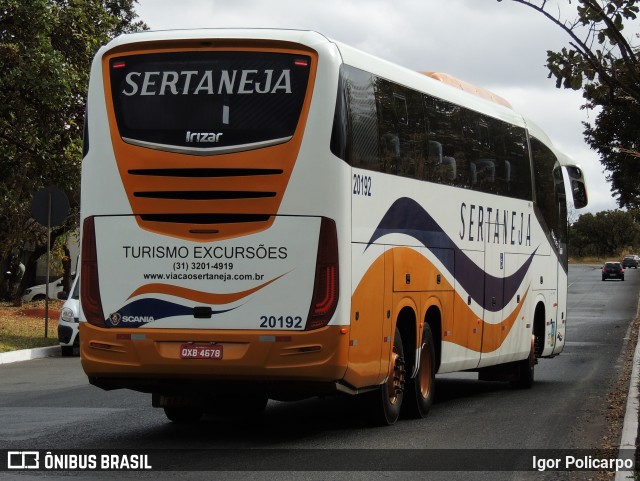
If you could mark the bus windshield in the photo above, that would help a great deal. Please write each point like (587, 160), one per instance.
(208, 102)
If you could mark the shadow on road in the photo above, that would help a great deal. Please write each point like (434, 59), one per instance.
(288, 423)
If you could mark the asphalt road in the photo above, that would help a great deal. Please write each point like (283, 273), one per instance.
(48, 405)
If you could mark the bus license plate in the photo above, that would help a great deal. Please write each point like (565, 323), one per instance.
(194, 351)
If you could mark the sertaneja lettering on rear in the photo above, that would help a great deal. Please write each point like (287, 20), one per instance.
(208, 82)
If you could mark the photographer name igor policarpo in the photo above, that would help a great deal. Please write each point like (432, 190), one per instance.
(582, 463)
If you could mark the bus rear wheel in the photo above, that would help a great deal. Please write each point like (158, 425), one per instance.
(420, 389)
(386, 401)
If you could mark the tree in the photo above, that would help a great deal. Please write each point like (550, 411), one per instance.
(46, 47)
(604, 64)
(606, 234)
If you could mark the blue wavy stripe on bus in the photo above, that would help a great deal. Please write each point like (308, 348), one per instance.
(406, 216)
(143, 311)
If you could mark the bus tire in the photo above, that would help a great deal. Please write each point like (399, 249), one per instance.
(66, 351)
(183, 415)
(524, 369)
(420, 389)
(387, 400)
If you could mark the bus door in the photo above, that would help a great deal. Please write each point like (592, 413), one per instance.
(561, 310)
(462, 340)
(561, 246)
(516, 328)
(545, 290)
(555, 330)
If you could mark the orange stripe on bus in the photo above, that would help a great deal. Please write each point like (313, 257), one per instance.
(465, 328)
(198, 296)
(493, 334)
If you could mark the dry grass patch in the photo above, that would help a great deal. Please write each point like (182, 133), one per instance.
(23, 327)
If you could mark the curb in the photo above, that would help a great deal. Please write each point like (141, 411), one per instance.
(630, 423)
(28, 354)
(629, 435)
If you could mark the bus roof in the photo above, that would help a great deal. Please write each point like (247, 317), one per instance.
(468, 87)
(438, 85)
(305, 37)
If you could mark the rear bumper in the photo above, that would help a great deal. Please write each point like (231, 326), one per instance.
(148, 360)
(612, 276)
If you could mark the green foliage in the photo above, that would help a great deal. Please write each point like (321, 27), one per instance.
(46, 47)
(603, 61)
(608, 234)
(616, 137)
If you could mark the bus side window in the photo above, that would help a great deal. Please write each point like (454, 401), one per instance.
(433, 159)
(483, 174)
(400, 105)
(357, 120)
(507, 176)
(391, 128)
(448, 170)
(390, 151)
(435, 152)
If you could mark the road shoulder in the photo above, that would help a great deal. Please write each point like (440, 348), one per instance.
(29, 354)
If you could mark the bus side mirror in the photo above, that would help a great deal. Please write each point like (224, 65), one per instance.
(578, 187)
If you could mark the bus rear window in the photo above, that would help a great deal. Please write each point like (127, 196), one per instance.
(208, 102)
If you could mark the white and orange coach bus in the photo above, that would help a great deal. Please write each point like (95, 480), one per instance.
(270, 214)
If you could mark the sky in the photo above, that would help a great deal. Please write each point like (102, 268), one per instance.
(500, 46)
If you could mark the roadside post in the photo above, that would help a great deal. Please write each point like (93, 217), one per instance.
(50, 207)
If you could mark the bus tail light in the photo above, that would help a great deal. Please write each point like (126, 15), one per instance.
(89, 286)
(326, 285)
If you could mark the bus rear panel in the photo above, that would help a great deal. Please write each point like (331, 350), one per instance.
(185, 282)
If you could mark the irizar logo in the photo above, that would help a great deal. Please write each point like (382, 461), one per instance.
(209, 137)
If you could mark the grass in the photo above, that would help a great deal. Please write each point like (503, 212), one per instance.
(589, 260)
(23, 327)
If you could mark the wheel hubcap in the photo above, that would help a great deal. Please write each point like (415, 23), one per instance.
(395, 383)
(425, 371)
